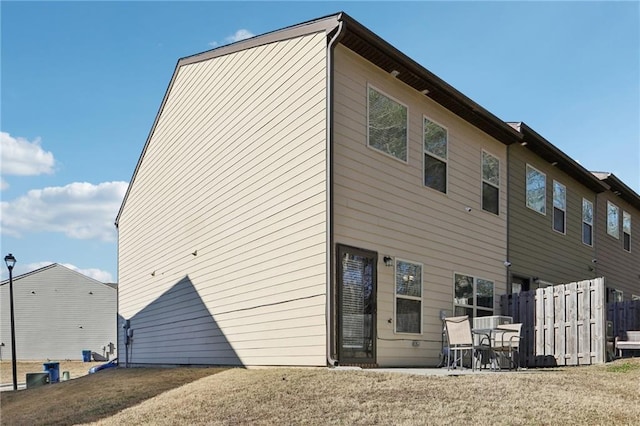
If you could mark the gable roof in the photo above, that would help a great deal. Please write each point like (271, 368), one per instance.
(51, 266)
(356, 37)
(550, 153)
(619, 188)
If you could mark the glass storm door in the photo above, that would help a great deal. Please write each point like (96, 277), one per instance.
(356, 273)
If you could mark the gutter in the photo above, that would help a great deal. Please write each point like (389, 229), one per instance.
(329, 179)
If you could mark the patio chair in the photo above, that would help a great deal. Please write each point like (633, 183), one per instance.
(506, 344)
(460, 340)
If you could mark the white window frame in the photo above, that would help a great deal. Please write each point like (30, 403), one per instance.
(617, 295)
(396, 296)
(526, 190)
(444, 160)
(617, 224)
(635, 297)
(404, 161)
(584, 222)
(553, 219)
(474, 306)
(483, 180)
(626, 215)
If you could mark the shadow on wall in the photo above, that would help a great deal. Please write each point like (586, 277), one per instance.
(176, 329)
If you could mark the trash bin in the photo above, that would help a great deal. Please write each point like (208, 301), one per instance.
(86, 356)
(53, 368)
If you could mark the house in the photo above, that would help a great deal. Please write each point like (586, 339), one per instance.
(58, 314)
(552, 215)
(311, 196)
(618, 248)
(566, 223)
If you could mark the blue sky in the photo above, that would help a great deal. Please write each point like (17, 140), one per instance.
(83, 81)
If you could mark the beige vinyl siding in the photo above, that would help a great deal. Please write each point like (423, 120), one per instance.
(58, 314)
(535, 249)
(620, 268)
(222, 247)
(382, 205)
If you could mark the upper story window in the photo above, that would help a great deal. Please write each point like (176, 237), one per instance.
(387, 125)
(626, 230)
(615, 295)
(408, 310)
(472, 296)
(490, 183)
(587, 222)
(536, 190)
(559, 207)
(435, 155)
(613, 219)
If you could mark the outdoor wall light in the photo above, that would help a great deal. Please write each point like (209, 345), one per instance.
(395, 73)
(388, 261)
(195, 252)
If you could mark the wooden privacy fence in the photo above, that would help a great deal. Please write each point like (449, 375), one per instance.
(562, 324)
(624, 316)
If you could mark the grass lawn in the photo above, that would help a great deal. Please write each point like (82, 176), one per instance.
(601, 394)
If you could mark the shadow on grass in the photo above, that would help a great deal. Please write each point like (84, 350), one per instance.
(94, 397)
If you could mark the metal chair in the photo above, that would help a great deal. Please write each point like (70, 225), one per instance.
(460, 340)
(506, 343)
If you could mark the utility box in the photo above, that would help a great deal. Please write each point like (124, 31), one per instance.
(54, 371)
(37, 379)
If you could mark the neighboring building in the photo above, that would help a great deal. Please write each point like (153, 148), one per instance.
(552, 215)
(618, 248)
(58, 314)
(311, 196)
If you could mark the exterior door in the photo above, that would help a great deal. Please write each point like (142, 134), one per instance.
(356, 282)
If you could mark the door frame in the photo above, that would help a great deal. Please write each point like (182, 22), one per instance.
(341, 249)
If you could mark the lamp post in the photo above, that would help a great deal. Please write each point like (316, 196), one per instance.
(11, 261)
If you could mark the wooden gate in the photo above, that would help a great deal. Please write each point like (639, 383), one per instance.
(562, 324)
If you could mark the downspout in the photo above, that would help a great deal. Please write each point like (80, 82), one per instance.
(329, 179)
(508, 257)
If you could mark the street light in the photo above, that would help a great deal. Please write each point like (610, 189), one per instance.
(11, 261)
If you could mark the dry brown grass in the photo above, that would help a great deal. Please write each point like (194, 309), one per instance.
(605, 394)
(92, 397)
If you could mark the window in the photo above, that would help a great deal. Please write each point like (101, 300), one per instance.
(387, 128)
(635, 297)
(490, 183)
(408, 297)
(626, 230)
(613, 214)
(559, 207)
(435, 155)
(615, 295)
(536, 190)
(587, 222)
(472, 296)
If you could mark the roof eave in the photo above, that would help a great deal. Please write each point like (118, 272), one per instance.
(621, 189)
(552, 154)
(388, 58)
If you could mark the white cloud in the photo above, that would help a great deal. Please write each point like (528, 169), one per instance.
(23, 158)
(79, 210)
(241, 34)
(96, 274)
(3, 184)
